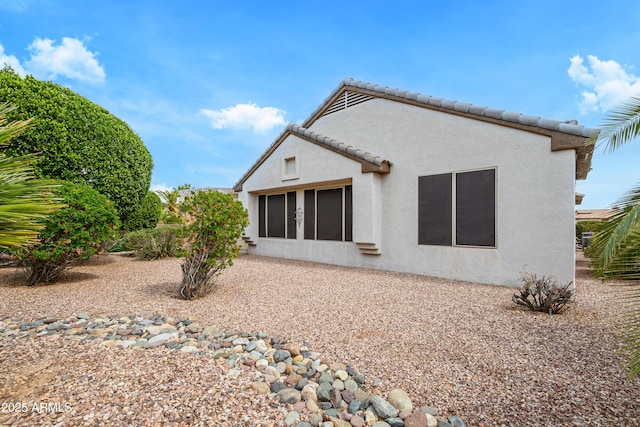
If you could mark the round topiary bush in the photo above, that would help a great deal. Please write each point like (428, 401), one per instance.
(78, 141)
(74, 232)
(146, 215)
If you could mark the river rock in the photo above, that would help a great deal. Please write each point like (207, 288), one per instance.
(400, 400)
(289, 395)
(383, 408)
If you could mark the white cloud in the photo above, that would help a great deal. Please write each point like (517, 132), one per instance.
(70, 59)
(11, 61)
(245, 116)
(160, 187)
(606, 84)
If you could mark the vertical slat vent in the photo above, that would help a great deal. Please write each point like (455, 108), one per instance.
(346, 100)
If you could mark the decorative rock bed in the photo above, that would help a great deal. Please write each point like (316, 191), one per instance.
(314, 393)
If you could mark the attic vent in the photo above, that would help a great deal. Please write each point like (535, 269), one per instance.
(346, 100)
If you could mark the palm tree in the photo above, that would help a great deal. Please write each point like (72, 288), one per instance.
(616, 248)
(171, 203)
(24, 201)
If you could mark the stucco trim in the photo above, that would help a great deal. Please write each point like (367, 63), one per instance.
(369, 162)
(564, 135)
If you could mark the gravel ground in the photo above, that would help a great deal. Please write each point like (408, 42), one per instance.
(460, 347)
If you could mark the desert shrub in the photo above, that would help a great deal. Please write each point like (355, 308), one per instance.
(78, 141)
(154, 243)
(146, 215)
(215, 223)
(72, 233)
(544, 294)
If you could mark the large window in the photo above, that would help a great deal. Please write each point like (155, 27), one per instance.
(457, 209)
(276, 215)
(328, 214)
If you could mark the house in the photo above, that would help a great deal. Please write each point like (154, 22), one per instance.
(595, 214)
(390, 179)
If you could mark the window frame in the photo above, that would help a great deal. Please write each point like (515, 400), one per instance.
(311, 213)
(454, 211)
(289, 224)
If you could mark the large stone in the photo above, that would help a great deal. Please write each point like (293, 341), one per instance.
(370, 416)
(351, 385)
(394, 422)
(159, 340)
(357, 421)
(400, 400)
(260, 387)
(240, 341)
(315, 419)
(342, 375)
(456, 422)
(292, 380)
(312, 406)
(416, 419)
(289, 395)
(380, 424)
(324, 392)
(361, 395)
(281, 355)
(337, 422)
(432, 421)
(325, 377)
(354, 406)
(383, 408)
(336, 399)
(291, 418)
(309, 393)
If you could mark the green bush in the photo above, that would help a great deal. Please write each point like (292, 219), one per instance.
(215, 223)
(146, 215)
(72, 233)
(154, 243)
(585, 226)
(78, 141)
(544, 294)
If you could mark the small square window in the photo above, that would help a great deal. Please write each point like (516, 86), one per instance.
(289, 168)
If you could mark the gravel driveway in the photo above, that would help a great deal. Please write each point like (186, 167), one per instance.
(460, 347)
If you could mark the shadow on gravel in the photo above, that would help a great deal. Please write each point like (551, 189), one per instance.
(165, 290)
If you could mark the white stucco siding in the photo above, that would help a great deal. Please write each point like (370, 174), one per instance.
(317, 168)
(535, 190)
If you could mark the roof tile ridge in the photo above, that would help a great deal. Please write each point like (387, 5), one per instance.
(569, 126)
(335, 144)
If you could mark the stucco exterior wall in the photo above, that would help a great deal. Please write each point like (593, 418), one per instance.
(535, 193)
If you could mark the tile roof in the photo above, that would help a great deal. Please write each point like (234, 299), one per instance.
(370, 162)
(564, 135)
(570, 126)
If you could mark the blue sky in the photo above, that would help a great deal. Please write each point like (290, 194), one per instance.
(208, 85)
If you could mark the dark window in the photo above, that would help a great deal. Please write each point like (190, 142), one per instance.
(348, 214)
(262, 216)
(275, 215)
(309, 214)
(434, 210)
(291, 215)
(476, 208)
(324, 218)
(329, 215)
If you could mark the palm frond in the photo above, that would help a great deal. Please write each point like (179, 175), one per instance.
(620, 126)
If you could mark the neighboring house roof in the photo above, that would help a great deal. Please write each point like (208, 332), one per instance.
(369, 162)
(595, 214)
(566, 135)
